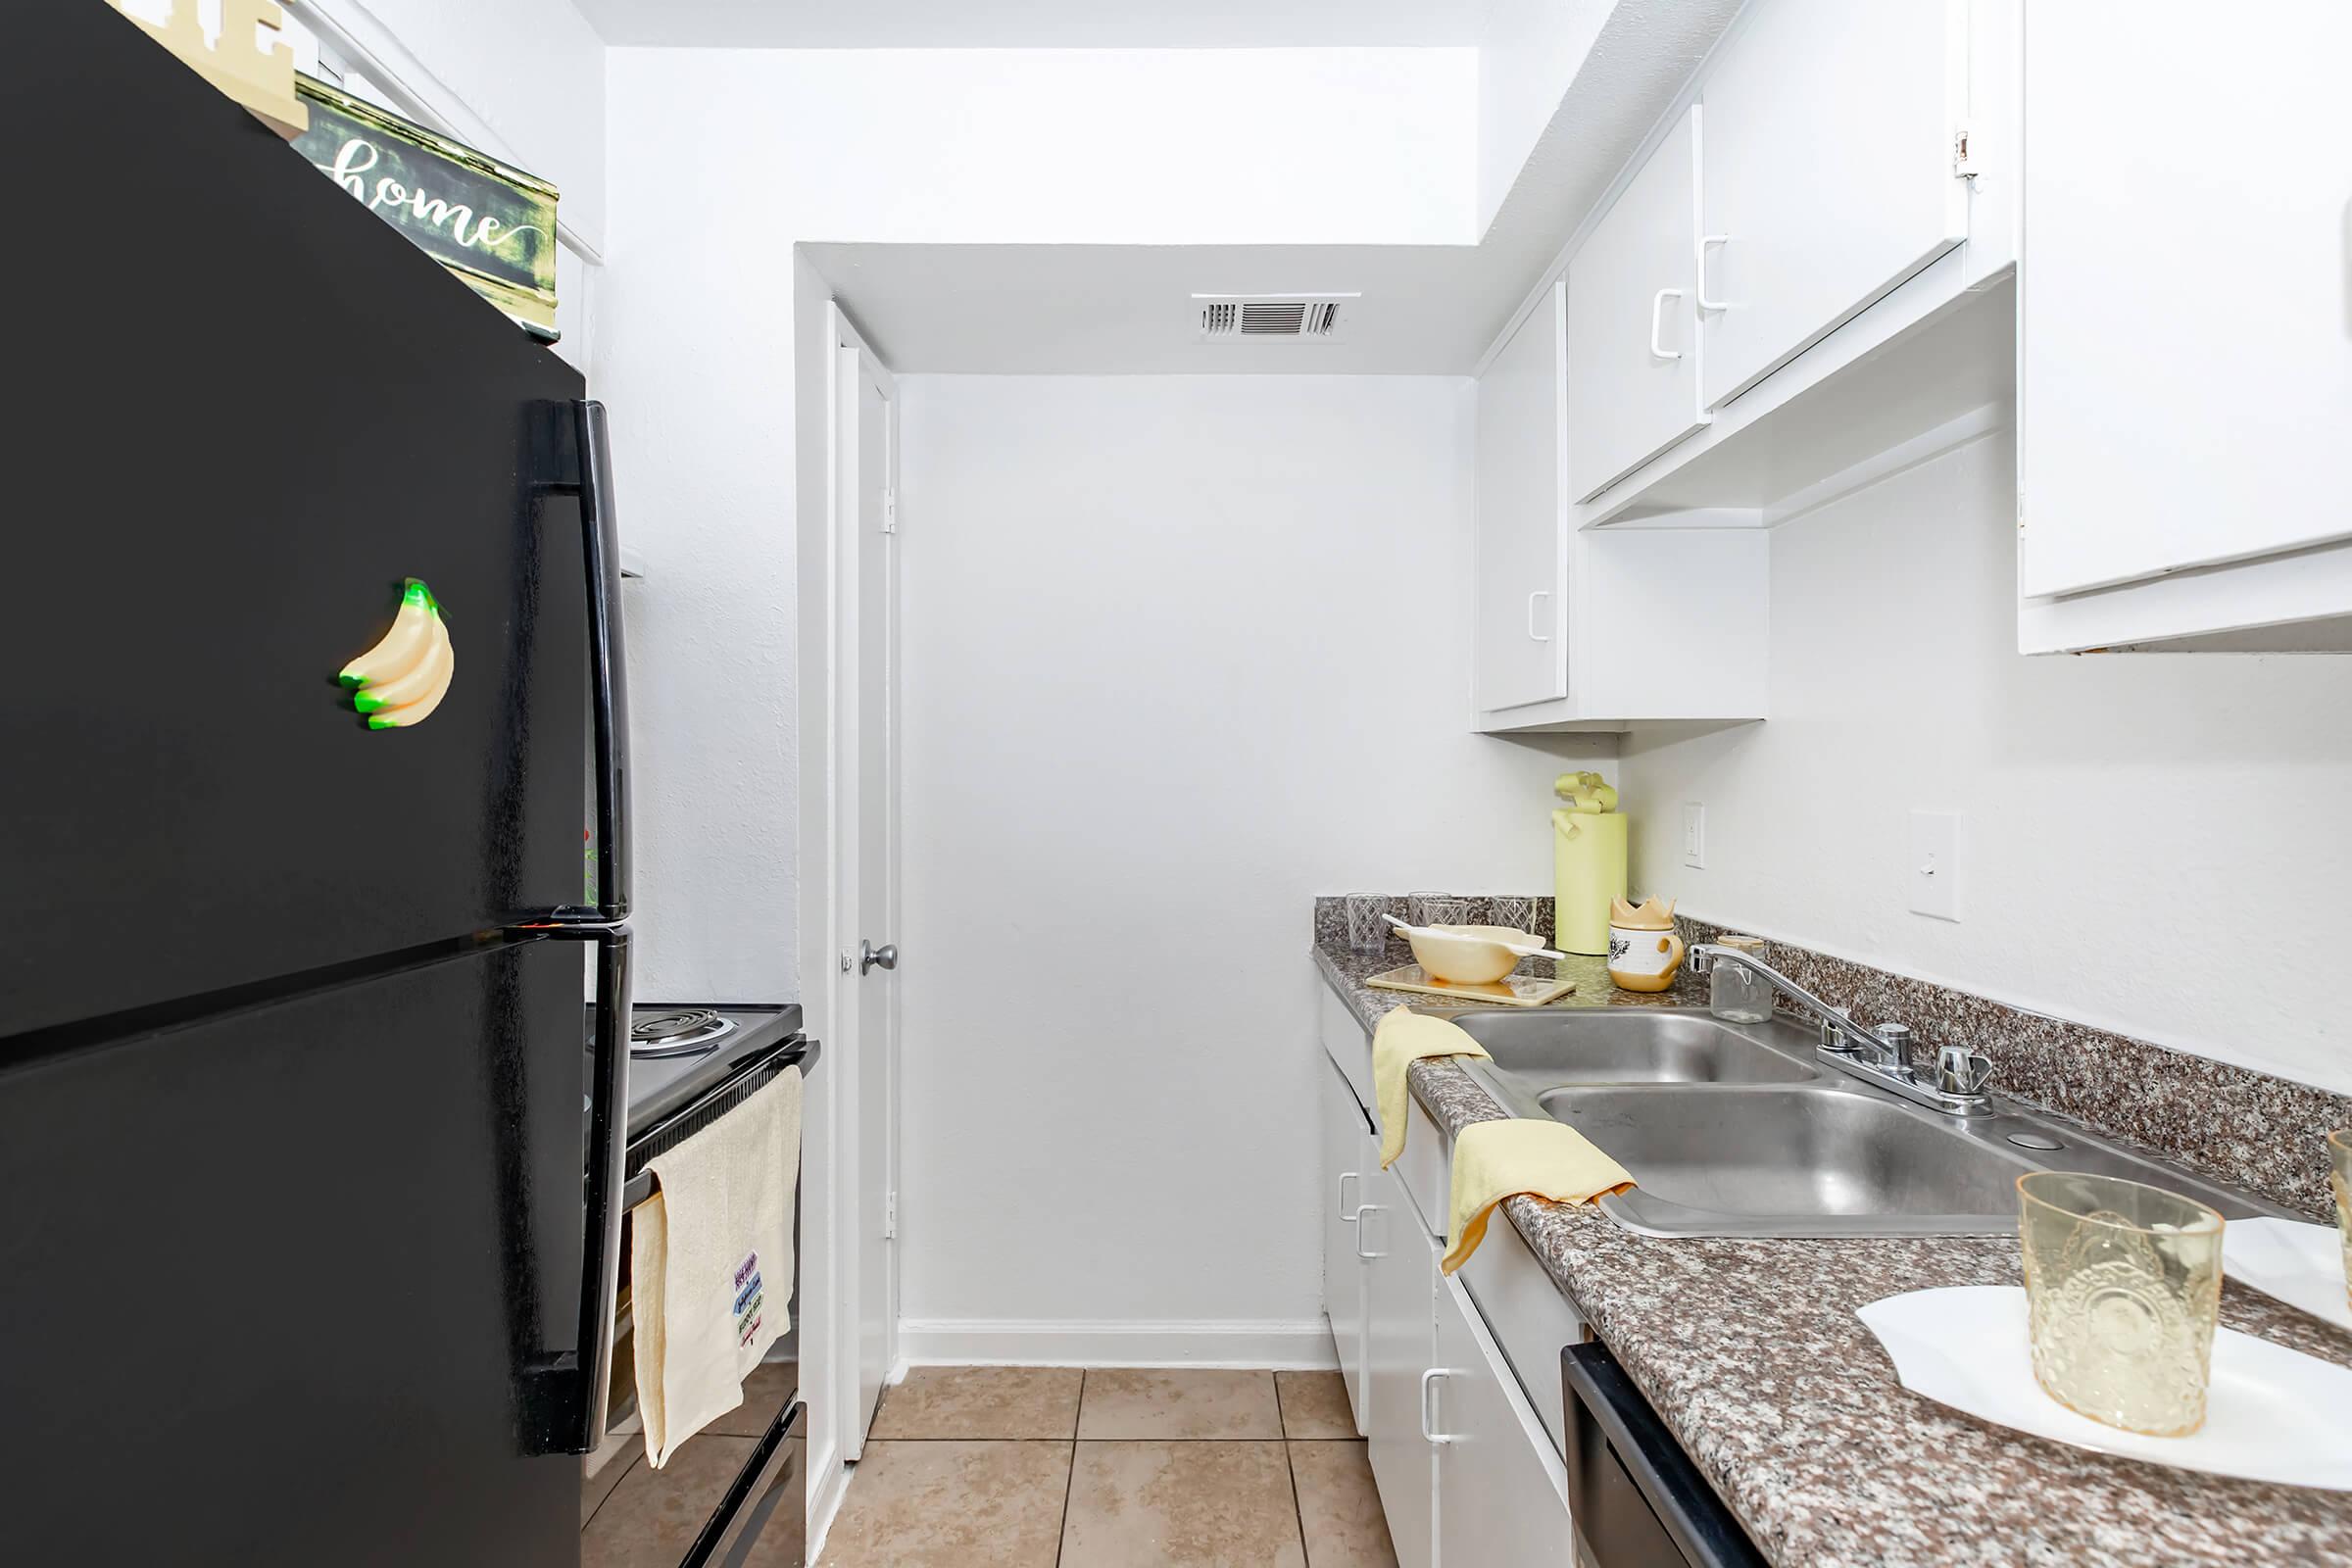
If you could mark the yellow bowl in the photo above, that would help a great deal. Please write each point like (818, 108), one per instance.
(1467, 955)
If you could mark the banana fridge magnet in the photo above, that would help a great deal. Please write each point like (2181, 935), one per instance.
(402, 679)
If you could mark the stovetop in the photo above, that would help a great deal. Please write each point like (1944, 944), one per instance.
(661, 1084)
(677, 1031)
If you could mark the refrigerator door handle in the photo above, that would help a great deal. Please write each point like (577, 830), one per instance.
(566, 1392)
(583, 457)
(608, 676)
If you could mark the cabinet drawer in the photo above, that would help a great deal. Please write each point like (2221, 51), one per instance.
(1348, 1046)
(1426, 1167)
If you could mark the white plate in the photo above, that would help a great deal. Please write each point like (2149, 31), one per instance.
(2270, 1413)
(2303, 1265)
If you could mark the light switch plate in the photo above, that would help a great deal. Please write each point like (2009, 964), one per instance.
(1694, 834)
(1934, 865)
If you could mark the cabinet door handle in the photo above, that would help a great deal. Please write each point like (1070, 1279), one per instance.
(1657, 314)
(1706, 243)
(1429, 1420)
(1544, 594)
(1362, 1231)
(1345, 1177)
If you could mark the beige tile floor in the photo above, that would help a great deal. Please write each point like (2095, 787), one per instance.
(1040, 1467)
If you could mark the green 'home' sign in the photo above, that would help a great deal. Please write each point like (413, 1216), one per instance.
(493, 226)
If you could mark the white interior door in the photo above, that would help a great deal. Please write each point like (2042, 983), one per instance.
(1633, 321)
(867, 747)
(1827, 171)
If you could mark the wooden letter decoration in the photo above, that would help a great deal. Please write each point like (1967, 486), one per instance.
(257, 74)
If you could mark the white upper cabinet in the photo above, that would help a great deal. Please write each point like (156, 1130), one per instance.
(2185, 322)
(1521, 658)
(1828, 169)
(1633, 386)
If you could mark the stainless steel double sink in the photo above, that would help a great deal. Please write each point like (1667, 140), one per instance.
(1735, 1130)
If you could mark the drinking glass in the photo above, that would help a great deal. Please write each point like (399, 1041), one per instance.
(1735, 993)
(2123, 1286)
(1437, 908)
(1516, 910)
(2340, 1176)
(1367, 931)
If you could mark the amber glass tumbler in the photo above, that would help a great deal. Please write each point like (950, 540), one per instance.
(2123, 1286)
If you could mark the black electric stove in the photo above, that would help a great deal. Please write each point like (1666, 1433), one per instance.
(678, 1052)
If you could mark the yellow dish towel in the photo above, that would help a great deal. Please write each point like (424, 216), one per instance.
(1403, 1037)
(1493, 1159)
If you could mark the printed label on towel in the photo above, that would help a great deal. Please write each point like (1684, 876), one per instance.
(748, 1300)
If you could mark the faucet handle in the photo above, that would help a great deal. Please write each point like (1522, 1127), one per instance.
(1899, 1041)
(1962, 1072)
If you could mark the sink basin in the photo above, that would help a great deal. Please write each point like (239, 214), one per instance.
(1732, 1130)
(1631, 1046)
(1819, 1161)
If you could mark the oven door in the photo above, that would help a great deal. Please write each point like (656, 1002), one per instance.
(749, 1468)
(1636, 1500)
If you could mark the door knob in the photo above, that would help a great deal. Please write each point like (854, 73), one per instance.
(871, 956)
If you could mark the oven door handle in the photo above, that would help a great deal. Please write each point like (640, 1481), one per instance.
(797, 1051)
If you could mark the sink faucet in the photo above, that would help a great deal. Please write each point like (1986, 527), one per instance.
(1879, 1055)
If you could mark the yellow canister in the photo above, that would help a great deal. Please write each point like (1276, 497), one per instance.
(1588, 864)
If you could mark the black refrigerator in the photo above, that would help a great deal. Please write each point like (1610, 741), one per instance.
(309, 1216)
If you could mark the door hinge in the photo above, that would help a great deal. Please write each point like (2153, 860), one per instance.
(1964, 158)
(890, 511)
(890, 1216)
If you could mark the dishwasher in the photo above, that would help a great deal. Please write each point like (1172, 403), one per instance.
(766, 1503)
(1636, 1500)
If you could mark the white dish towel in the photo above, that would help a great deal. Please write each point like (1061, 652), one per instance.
(711, 1263)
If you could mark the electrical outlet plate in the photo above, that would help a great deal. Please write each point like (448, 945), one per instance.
(1694, 835)
(1934, 873)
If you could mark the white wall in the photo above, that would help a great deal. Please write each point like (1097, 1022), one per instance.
(2126, 814)
(719, 162)
(1528, 54)
(1181, 653)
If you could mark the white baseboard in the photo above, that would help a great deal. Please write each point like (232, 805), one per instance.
(1302, 1345)
(828, 1483)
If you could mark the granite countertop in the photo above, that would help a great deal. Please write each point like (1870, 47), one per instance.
(1750, 1351)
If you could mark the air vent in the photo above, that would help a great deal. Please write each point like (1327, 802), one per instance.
(1244, 317)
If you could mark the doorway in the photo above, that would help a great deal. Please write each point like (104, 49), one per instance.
(864, 738)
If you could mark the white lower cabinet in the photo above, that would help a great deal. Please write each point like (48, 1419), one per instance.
(1400, 1352)
(1467, 1465)
(1347, 1153)
(1503, 1492)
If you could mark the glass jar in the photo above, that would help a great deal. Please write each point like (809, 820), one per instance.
(1736, 994)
